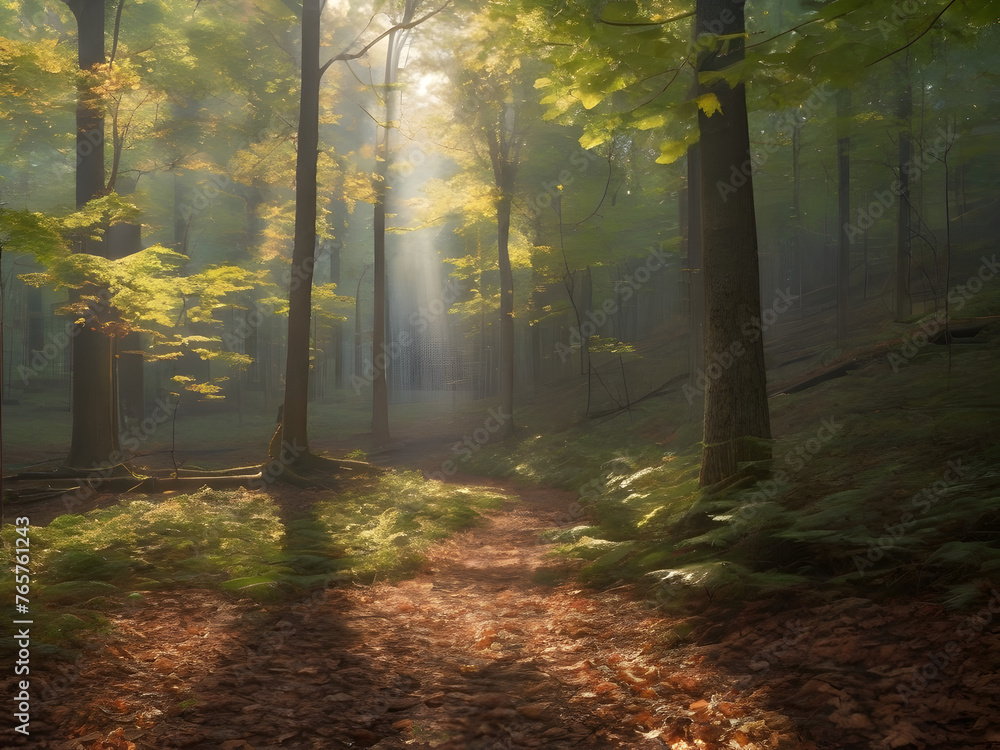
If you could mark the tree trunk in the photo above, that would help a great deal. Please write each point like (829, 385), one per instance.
(380, 352)
(122, 240)
(94, 437)
(696, 313)
(844, 215)
(506, 185)
(737, 423)
(295, 409)
(380, 358)
(903, 302)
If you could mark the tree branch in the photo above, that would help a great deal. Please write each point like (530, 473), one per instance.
(343, 56)
(680, 17)
(795, 28)
(905, 46)
(118, 25)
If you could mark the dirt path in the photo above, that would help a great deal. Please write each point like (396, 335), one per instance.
(474, 653)
(479, 652)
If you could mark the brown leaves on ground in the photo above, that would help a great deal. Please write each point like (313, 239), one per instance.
(473, 654)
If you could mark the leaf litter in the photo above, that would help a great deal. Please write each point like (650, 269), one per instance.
(481, 651)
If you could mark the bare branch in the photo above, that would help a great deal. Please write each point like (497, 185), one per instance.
(795, 28)
(905, 46)
(398, 27)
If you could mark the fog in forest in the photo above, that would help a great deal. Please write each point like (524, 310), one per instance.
(664, 333)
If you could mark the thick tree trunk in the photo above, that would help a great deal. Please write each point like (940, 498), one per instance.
(844, 215)
(295, 409)
(94, 436)
(737, 423)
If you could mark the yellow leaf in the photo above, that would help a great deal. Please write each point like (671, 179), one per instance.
(590, 99)
(709, 104)
(671, 151)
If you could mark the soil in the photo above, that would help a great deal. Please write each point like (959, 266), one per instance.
(492, 646)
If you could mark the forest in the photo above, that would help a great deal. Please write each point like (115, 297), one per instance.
(486, 376)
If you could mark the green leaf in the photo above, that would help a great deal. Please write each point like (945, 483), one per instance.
(620, 12)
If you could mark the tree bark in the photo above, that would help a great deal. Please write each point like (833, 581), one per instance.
(691, 216)
(94, 437)
(844, 215)
(380, 352)
(737, 422)
(903, 301)
(295, 410)
(505, 183)
(504, 155)
(380, 357)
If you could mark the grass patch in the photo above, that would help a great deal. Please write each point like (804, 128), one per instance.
(83, 566)
(384, 530)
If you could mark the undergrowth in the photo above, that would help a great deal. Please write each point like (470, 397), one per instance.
(882, 482)
(84, 566)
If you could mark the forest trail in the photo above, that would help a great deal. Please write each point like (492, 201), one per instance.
(487, 649)
(476, 652)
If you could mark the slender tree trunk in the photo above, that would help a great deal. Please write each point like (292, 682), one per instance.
(696, 314)
(380, 357)
(844, 215)
(506, 185)
(94, 437)
(380, 352)
(903, 302)
(122, 240)
(737, 423)
(798, 234)
(295, 409)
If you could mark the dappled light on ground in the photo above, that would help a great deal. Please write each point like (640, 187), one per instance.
(479, 650)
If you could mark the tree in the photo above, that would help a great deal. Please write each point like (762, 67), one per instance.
(380, 359)
(737, 421)
(95, 414)
(843, 215)
(293, 431)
